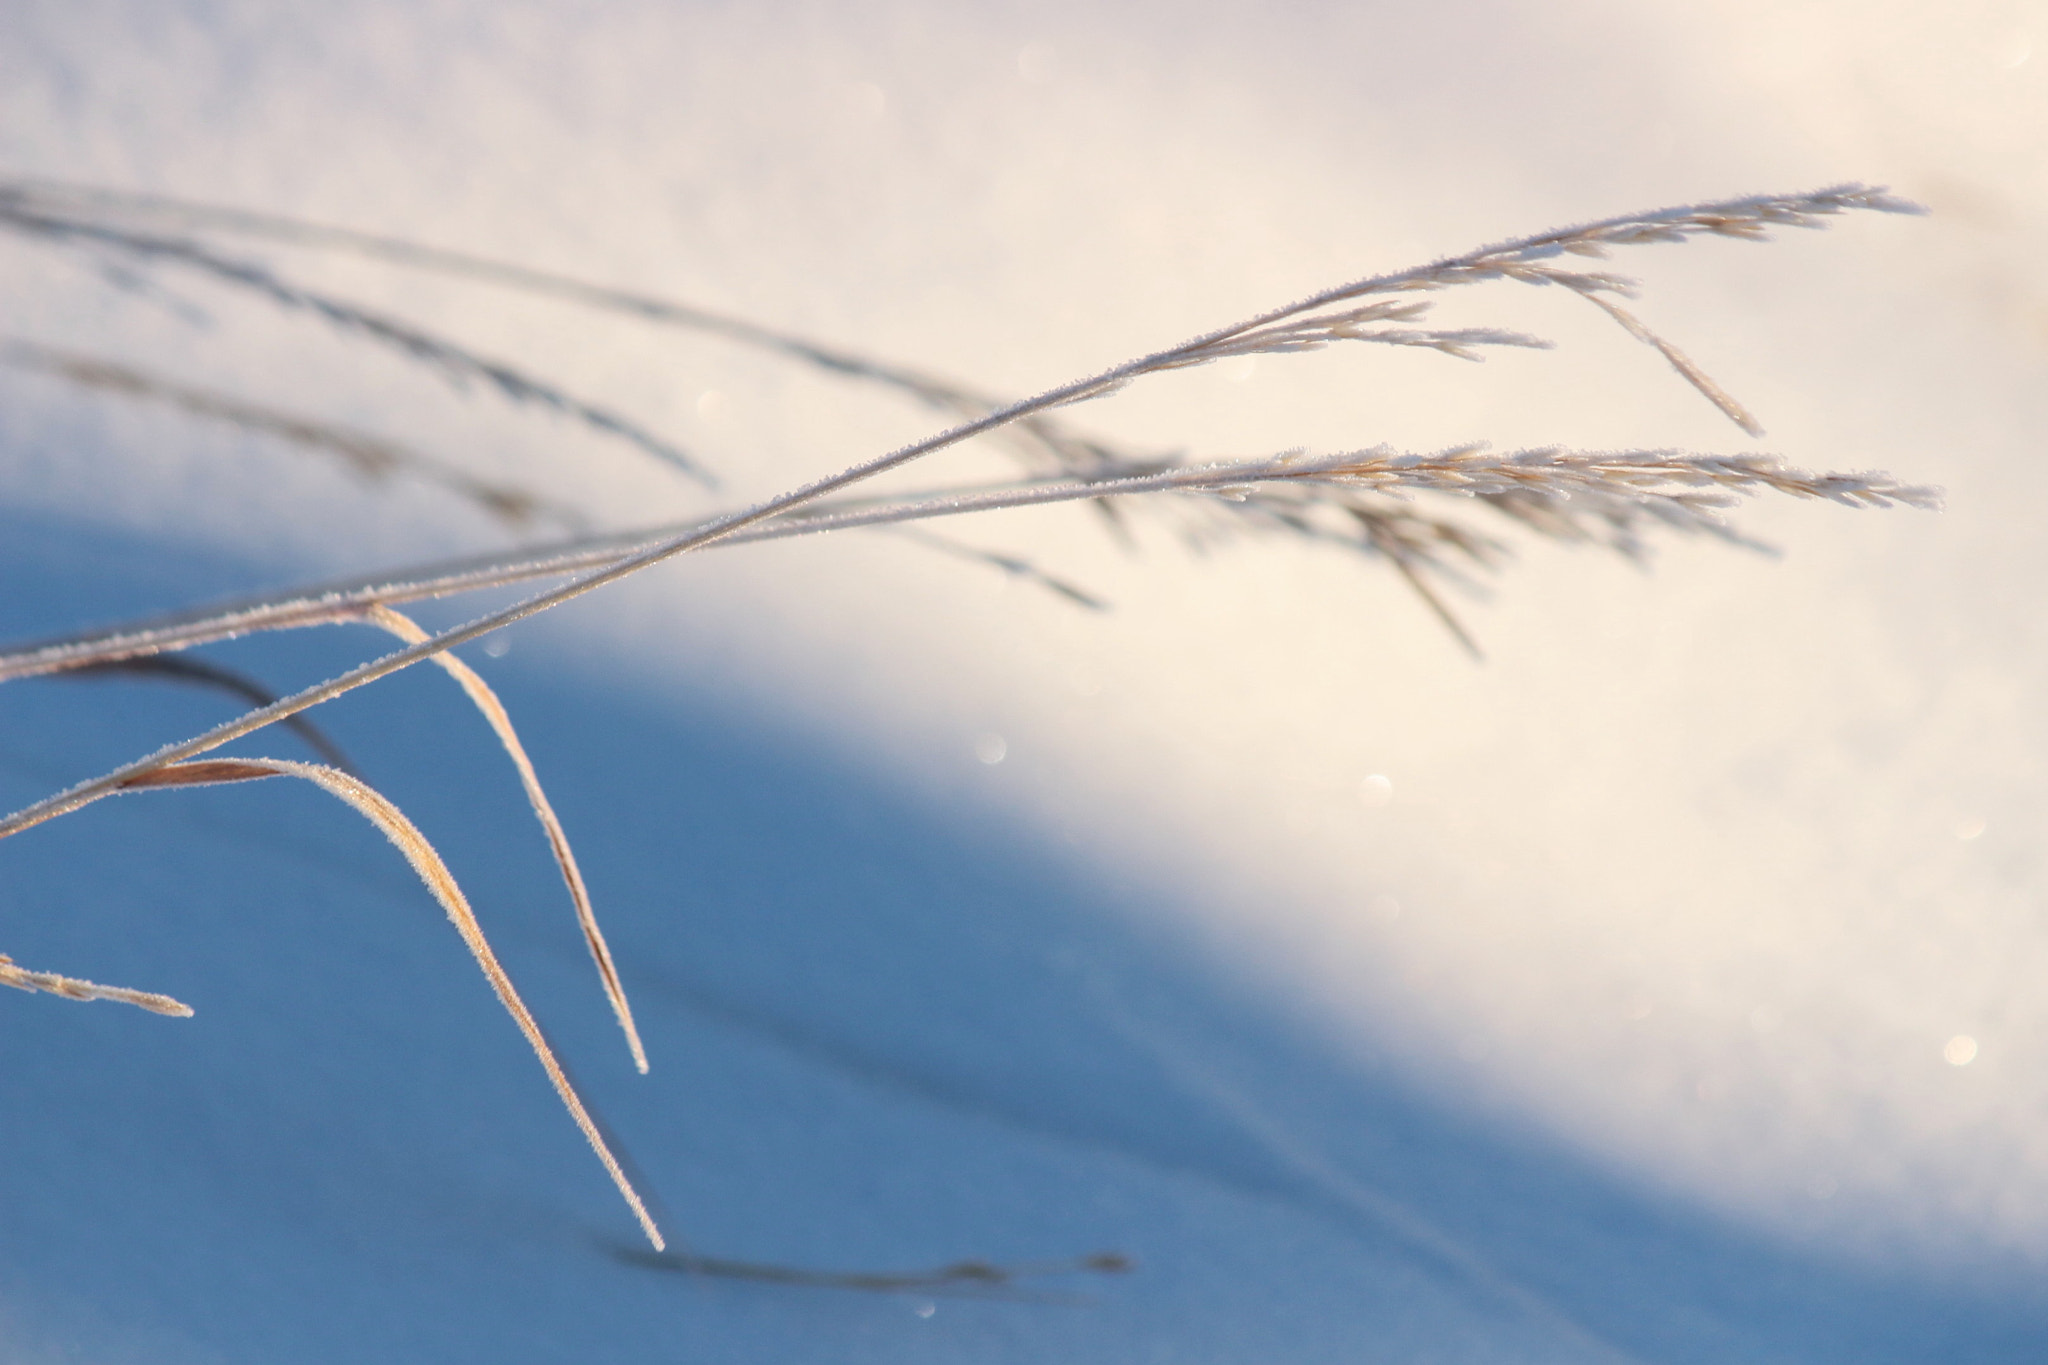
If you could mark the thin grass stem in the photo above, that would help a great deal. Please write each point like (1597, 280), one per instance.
(1466, 470)
(71, 988)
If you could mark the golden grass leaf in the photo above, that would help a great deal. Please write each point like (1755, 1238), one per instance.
(486, 701)
(427, 863)
(71, 988)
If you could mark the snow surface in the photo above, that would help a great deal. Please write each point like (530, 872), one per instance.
(1610, 1024)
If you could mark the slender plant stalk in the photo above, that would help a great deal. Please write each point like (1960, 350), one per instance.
(1671, 482)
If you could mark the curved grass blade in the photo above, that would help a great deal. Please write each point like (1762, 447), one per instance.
(493, 710)
(426, 862)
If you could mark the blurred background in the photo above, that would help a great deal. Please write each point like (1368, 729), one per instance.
(1661, 987)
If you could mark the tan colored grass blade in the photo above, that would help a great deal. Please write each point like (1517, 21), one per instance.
(1680, 361)
(379, 811)
(486, 701)
(71, 988)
